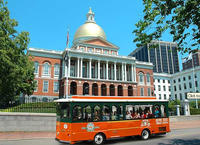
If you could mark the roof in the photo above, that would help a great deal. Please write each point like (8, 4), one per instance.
(109, 99)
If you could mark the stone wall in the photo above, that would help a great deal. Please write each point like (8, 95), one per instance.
(27, 122)
(47, 121)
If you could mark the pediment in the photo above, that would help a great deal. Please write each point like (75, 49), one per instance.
(99, 42)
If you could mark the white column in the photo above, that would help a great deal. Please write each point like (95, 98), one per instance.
(87, 70)
(81, 69)
(122, 72)
(134, 70)
(115, 71)
(90, 68)
(98, 69)
(69, 63)
(132, 76)
(78, 67)
(125, 73)
(111, 72)
(65, 69)
(106, 70)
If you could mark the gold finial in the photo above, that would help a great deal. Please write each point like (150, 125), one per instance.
(90, 10)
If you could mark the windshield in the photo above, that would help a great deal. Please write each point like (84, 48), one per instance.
(63, 111)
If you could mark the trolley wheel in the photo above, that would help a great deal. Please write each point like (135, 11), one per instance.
(145, 134)
(99, 139)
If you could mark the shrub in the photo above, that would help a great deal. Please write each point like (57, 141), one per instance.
(194, 111)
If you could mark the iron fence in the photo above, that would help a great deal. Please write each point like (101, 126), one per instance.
(34, 107)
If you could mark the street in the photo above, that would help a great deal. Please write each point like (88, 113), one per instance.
(190, 136)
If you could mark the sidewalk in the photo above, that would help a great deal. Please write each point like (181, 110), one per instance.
(34, 135)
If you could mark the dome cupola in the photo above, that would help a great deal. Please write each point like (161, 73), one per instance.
(90, 28)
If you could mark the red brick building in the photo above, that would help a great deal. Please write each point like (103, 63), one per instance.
(91, 66)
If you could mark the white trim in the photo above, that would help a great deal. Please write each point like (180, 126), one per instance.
(47, 87)
(109, 100)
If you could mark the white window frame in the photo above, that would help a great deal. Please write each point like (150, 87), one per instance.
(141, 91)
(141, 83)
(56, 69)
(148, 76)
(54, 86)
(43, 70)
(36, 73)
(47, 86)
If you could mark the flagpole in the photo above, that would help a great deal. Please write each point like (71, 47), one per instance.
(67, 58)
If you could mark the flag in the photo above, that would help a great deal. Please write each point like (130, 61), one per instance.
(67, 43)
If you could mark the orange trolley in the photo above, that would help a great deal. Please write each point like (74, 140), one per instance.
(100, 118)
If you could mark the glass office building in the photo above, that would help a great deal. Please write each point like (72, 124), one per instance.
(164, 56)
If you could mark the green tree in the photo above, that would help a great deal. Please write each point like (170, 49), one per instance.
(16, 69)
(172, 105)
(180, 17)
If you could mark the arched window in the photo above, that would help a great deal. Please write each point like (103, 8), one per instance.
(103, 90)
(73, 88)
(46, 69)
(36, 66)
(141, 78)
(85, 89)
(95, 89)
(112, 90)
(120, 90)
(56, 70)
(130, 91)
(148, 78)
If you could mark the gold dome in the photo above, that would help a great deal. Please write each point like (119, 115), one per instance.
(90, 28)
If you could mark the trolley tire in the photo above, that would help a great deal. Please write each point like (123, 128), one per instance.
(145, 134)
(99, 139)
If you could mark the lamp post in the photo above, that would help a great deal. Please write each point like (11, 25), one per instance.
(194, 81)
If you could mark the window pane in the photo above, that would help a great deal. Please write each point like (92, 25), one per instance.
(121, 113)
(56, 69)
(114, 113)
(36, 66)
(45, 86)
(141, 78)
(46, 68)
(148, 78)
(106, 113)
(77, 113)
(163, 111)
(96, 115)
(129, 111)
(87, 113)
(141, 91)
(156, 111)
(55, 87)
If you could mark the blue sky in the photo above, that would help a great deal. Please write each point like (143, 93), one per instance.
(47, 20)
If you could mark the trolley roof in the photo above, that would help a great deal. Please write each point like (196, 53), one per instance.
(109, 99)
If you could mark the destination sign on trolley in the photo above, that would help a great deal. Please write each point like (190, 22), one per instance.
(193, 95)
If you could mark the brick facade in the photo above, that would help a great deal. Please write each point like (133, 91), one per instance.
(51, 79)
